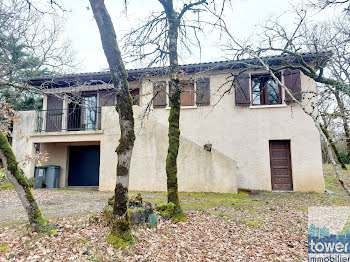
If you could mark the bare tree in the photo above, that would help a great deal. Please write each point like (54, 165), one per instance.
(120, 234)
(323, 4)
(158, 40)
(27, 47)
(292, 45)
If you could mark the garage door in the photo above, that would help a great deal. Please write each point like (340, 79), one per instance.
(84, 165)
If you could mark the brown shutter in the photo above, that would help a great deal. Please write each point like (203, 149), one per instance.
(203, 92)
(187, 95)
(242, 96)
(159, 89)
(293, 83)
(54, 113)
(107, 98)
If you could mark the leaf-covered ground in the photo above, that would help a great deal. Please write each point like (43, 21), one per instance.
(261, 226)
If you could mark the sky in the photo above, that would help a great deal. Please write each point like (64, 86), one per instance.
(243, 19)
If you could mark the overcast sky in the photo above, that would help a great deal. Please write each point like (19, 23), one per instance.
(82, 30)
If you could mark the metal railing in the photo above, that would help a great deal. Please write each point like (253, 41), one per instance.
(70, 119)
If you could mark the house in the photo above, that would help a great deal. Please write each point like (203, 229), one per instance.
(260, 139)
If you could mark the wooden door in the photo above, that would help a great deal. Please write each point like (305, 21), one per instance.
(54, 114)
(281, 168)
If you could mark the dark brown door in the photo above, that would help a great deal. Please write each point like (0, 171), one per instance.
(281, 169)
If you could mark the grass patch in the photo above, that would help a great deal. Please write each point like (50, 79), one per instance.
(4, 247)
(12, 223)
(304, 209)
(249, 222)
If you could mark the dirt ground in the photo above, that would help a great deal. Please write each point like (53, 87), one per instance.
(259, 226)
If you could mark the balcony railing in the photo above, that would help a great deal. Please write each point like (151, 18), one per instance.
(70, 119)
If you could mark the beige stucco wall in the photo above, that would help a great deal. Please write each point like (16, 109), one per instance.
(240, 138)
(199, 170)
(243, 134)
(22, 145)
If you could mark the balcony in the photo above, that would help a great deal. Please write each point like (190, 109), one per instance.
(69, 119)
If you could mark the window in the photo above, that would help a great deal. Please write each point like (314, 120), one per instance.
(265, 90)
(135, 93)
(90, 112)
(187, 95)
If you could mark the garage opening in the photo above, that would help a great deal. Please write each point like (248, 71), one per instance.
(84, 165)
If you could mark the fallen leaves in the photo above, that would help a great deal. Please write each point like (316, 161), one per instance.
(203, 238)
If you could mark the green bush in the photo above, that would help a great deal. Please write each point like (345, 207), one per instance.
(343, 155)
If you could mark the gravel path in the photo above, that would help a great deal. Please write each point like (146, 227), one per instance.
(53, 203)
(56, 203)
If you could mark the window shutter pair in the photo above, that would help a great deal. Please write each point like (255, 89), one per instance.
(242, 89)
(293, 82)
(202, 93)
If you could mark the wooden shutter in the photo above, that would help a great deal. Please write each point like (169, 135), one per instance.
(159, 89)
(203, 92)
(187, 95)
(54, 113)
(293, 82)
(242, 96)
(107, 98)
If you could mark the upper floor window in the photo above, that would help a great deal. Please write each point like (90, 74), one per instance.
(187, 94)
(265, 90)
(193, 93)
(261, 89)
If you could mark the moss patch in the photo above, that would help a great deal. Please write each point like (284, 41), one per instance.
(166, 211)
(4, 247)
(120, 235)
(179, 216)
(5, 186)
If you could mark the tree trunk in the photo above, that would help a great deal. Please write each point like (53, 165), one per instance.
(337, 173)
(334, 148)
(174, 115)
(120, 234)
(20, 183)
(345, 122)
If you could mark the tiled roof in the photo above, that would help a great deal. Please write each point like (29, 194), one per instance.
(134, 74)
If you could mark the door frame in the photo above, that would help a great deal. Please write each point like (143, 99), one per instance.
(290, 169)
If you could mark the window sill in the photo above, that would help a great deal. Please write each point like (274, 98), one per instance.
(267, 106)
(184, 107)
